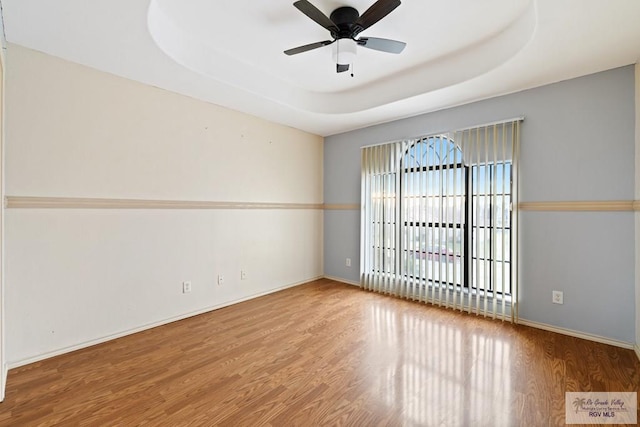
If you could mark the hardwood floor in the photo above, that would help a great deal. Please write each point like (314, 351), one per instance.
(320, 354)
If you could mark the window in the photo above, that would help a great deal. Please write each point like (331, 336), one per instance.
(491, 239)
(436, 221)
(433, 205)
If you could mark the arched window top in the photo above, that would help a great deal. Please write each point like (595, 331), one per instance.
(437, 150)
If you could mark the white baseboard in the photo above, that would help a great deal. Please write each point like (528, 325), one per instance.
(38, 358)
(338, 279)
(3, 386)
(577, 334)
(637, 349)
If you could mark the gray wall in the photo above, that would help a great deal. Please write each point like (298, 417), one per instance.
(577, 144)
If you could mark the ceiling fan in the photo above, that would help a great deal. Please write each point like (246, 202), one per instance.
(344, 24)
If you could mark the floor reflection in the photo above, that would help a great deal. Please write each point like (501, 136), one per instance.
(434, 373)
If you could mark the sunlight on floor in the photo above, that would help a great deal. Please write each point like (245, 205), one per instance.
(434, 381)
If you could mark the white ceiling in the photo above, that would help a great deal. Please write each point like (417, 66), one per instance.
(230, 52)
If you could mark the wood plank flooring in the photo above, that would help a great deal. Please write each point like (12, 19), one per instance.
(323, 353)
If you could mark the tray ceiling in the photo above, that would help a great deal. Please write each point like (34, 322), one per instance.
(231, 52)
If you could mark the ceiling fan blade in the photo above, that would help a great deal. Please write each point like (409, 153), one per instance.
(314, 13)
(376, 12)
(384, 45)
(307, 47)
(341, 68)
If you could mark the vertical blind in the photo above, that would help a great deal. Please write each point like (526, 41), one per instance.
(438, 223)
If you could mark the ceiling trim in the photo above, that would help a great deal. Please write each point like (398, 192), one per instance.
(468, 62)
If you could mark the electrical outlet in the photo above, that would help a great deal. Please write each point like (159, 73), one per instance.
(557, 297)
(220, 279)
(348, 262)
(186, 287)
(243, 275)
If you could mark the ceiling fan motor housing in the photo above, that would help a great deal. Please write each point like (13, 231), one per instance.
(345, 18)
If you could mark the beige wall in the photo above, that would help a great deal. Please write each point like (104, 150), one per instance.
(78, 276)
(3, 365)
(637, 88)
(89, 134)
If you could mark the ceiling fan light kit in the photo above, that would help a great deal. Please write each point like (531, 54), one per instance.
(344, 25)
(344, 52)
